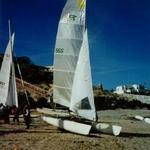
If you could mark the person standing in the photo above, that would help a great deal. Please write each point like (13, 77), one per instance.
(27, 117)
(15, 112)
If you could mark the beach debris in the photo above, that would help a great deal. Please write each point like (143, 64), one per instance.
(107, 128)
(138, 117)
(147, 120)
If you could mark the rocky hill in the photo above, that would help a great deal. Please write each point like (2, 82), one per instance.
(34, 74)
(38, 80)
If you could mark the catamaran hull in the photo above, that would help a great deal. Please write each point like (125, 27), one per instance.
(71, 126)
(147, 120)
(139, 117)
(107, 128)
(58, 113)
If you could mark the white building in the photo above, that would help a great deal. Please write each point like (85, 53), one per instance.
(49, 68)
(128, 89)
(136, 87)
(120, 90)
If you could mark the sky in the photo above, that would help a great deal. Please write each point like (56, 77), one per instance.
(118, 32)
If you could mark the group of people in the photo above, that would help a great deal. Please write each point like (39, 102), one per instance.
(5, 111)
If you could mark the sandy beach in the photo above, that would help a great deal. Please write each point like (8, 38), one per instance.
(134, 136)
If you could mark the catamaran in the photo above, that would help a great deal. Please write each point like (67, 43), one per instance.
(8, 90)
(72, 85)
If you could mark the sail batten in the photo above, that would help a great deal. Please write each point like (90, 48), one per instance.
(61, 87)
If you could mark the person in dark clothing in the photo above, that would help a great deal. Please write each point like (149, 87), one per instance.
(1, 106)
(6, 111)
(15, 112)
(27, 117)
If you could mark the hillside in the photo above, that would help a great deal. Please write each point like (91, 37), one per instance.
(37, 75)
(38, 80)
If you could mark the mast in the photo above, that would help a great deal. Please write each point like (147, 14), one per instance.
(5, 70)
(9, 25)
(10, 39)
(12, 98)
(9, 29)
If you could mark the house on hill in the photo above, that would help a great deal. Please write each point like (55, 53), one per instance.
(135, 88)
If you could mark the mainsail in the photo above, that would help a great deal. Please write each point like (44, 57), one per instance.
(69, 71)
(7, 77)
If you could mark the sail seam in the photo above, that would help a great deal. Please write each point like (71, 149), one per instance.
(61, 22)
(67, 54)
(61, 87)
(79, 39)
(64, 70)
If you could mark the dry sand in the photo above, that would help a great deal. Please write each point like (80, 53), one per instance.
(41, 136)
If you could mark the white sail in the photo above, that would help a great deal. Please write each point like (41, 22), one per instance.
(5, 71)
(68, 44)
(12, 98)
(82, 100)
(72, 72)
(72, 85)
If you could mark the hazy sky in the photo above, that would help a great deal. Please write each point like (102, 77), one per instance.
(119, 36)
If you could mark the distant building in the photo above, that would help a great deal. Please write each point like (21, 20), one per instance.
(49, 68)
(135, 88)
(120, 90)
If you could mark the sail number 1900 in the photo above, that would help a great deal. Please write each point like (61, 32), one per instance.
(59, 50)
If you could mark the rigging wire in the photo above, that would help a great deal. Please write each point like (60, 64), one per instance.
(19, 71)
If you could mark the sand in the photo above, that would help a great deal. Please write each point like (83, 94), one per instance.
(41, 136)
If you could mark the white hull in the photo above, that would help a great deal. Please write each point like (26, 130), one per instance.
(58, 113)
(107, 128)
(147, 120)
(139, 117)
(71, 126)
